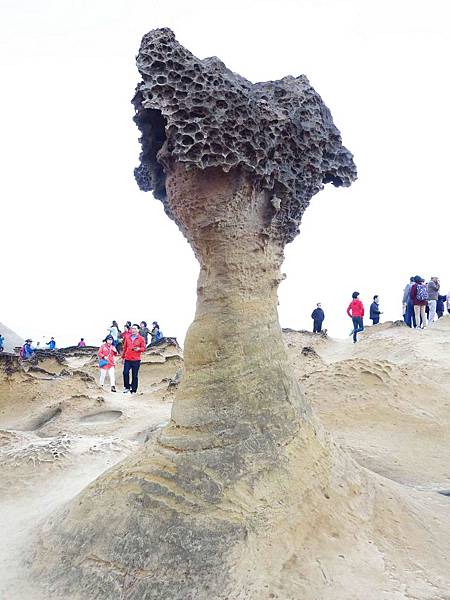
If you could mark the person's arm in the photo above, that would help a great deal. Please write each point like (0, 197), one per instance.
(125, 343)
(362, 309)
(412, 293)
(348, 310)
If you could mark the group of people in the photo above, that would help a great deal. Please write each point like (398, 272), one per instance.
(130, 343)
(422, 302)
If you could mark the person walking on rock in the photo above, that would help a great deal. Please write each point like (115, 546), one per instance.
(133, 347)
(318, 317)
(408, 307)
(106, 355)
(419, 298)
(355, 311)
(433, 293)
(375, 311)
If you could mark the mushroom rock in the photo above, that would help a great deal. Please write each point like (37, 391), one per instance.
(234, 497)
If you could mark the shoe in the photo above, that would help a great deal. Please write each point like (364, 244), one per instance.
(126, 391)
(113, 388)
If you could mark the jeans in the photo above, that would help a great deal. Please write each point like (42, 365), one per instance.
(410, 318)
(375, 321)
(112, 376)
(419, 312)
(317, 327)
(432, 311)
(132, 365)
(358, 326)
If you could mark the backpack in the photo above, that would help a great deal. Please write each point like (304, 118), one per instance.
(421, 292)
(22, 352)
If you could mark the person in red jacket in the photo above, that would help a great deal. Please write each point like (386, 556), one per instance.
(133, 346)
(106, 354)
(355, 311)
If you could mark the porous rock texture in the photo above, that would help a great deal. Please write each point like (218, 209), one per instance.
(242, 495)
(201, 114)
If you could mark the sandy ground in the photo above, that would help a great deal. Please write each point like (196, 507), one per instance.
(385, 400)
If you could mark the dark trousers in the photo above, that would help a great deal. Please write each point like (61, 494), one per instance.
(358, 326)
(375, 321)
(133, 366)
(410, 318)
(317, 326)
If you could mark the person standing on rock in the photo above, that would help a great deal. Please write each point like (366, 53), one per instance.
(82, 343)
(133, 347)
(27, 351)
(408, 307)
(375, 311)
(440, 306)
(106, 355)
(355, 311)
(51, 344)
(144, 331)
(419, 298)
(156, 333)
(318, 317)
(114, 331)
(2, 341)
(433, 293)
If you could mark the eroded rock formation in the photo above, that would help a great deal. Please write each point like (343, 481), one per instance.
(235, 164)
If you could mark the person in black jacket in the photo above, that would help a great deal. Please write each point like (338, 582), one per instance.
(318, 317)
(440, 306)
(375, 311)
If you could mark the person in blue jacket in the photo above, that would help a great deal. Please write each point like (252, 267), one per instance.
(2, 340)
(375, 311)
(27, 350)
(51, 344)
(318, 317)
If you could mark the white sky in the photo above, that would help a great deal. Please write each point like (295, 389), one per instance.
(81, 245)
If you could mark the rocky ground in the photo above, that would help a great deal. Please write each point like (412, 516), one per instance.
(385, 401)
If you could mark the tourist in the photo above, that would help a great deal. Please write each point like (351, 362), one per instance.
(408, 307)
(448, 302)
(2, 340)
(114, 330)
(156, 333)
(144, 331)
(355, 311)
(433, 293)
(122, 335)
(82, 343)
(133, 346)
(106, 355)
(27, 350)
(375, 311)
(419, 298)
(51, 344)
(440, 306)
(318, 317)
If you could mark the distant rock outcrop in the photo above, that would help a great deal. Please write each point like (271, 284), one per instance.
(12, 340)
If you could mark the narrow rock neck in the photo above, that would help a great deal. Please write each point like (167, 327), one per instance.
(237, 381)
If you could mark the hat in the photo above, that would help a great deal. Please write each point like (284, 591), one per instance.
(28, 340)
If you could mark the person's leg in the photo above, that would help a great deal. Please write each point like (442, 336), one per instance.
(102, 376)
(135, 378)
(314, 326)
(432, 313)
(112, 377)
(423, 316)
(126, 374)
(355, 328)
(319, 326)
(417, 315)
(375, 321)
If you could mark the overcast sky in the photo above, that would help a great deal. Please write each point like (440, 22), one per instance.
(81, 245)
